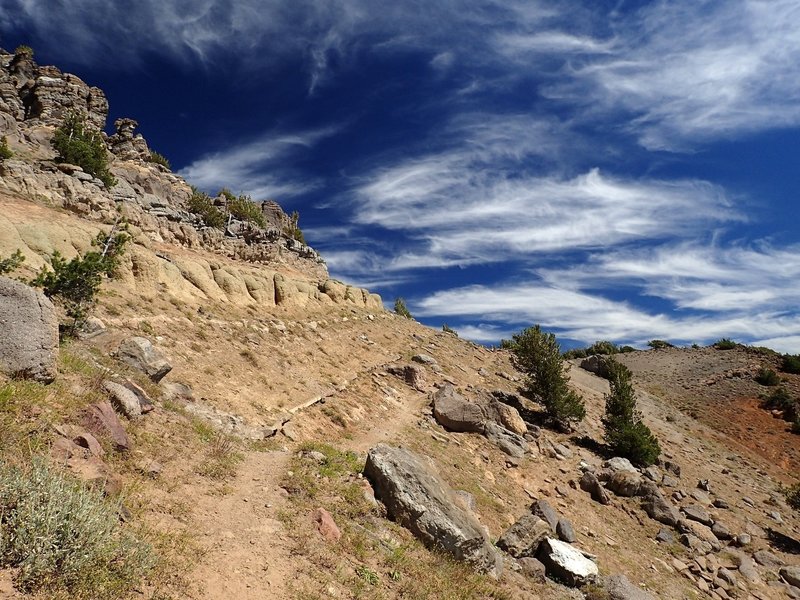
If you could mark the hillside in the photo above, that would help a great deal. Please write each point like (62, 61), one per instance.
(286, 388)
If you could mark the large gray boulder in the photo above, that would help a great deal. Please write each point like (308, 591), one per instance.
(28, 332)
(456, 413)
(590, 483)
(417, 498)
(140, 353)
(625, 483)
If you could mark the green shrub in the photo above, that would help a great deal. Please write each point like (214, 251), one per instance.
(725, 344)
(603, 347)
(78, 145)
(796, 425)
(293, 229)
(627, 349)
(659, 344)
(401, 309)
(75, 283)
(159, 159)
(245, 209)
(767, 377)
(203, 206)
(793, 496)
(537, 355)
(791, 364)
(447, 329)
(227, 194)
(11, 263)
(626, 435)
(5, 151)
(62, 537)
(780, 399)
(25, 50)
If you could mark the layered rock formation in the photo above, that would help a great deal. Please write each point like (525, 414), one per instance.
(153, 201)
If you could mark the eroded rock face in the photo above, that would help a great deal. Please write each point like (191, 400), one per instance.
(417, 498)
(29, 338)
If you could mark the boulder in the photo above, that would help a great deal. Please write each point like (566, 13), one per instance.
(102, 418)
(590, 483)
(767, 559)
(625, 483)
(177, 391)
(596, 364)
(532, 568)
(417, 498)
(618, 587)
(326, 525)
(509, 442)
(565, 563)
(721, 531)
(697, 513)
(454, 412)
(565, 531)
(662, 510)
(620, 464)
(507, 416)
(524, 536)
(543, 510)
(791, 575)
(424, 359)
(29, 326)
(123, 399)
(140, 353)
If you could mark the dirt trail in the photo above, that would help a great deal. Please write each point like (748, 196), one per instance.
(245, 550)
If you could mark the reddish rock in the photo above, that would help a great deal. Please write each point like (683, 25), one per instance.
(102, 418)
(326, 525)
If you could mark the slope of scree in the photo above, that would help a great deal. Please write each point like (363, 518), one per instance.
(247, 477)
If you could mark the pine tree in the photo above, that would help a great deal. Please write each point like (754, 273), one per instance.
(538, 355)
(625, 433)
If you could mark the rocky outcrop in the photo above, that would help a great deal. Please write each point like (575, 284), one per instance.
(45, 94)
(417, 498)
(29, 326)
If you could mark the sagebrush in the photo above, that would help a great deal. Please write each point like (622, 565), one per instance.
(60, 536)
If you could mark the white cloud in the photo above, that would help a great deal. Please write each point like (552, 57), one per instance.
(257, 167)
(475, 203)
(698, 70)
(589, 317)
(717, 277)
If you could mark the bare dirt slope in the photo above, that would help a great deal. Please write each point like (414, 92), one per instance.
(230, 510)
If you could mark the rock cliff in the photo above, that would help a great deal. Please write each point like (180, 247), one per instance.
(34, 100)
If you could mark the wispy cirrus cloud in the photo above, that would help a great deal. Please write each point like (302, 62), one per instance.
(477, 201)
(257, 167)
(717, 277)
(589, 316)
(689, 72)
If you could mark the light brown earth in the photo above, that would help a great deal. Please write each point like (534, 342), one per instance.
(245, 531)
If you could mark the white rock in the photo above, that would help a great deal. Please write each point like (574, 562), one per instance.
(566, 563)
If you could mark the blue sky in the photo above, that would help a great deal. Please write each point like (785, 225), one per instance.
(611, 170)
